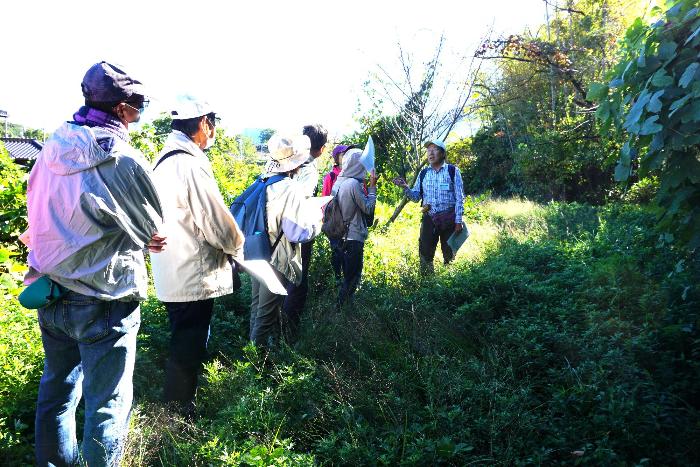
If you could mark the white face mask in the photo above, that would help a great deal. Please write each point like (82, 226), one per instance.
(210, 140)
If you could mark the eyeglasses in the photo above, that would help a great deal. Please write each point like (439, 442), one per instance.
(140, 109)
(215, 122)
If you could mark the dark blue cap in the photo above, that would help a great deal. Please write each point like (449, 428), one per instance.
(104, 82)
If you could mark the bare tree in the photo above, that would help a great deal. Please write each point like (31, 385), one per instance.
(425, 102)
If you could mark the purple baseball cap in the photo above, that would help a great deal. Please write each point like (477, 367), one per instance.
(104, 82)
(340, 149)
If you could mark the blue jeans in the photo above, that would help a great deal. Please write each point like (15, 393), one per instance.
(90, 346)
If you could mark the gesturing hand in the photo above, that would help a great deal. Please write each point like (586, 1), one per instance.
(157, 243)
(400, 182)
(373, 177)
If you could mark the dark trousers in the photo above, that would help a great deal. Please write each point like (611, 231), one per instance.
(189, 333)
(337, 260)
(427, 243)
(352, 270)
(296, 296)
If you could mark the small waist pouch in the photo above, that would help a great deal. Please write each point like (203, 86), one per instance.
(41, 293)
(444, 219)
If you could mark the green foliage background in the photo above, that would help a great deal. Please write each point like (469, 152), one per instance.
(654, 95)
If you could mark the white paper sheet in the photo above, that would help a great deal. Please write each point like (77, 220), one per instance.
(367, 157)
(318, 203)
(262, 271)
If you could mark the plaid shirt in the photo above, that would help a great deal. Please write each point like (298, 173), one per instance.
(439, 193)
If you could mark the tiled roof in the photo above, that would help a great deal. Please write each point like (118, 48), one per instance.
(22, 148)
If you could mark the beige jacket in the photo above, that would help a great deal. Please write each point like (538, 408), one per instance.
(297, 219)
(199, 228)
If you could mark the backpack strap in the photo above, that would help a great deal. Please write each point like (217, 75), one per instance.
(169, 154)
(452, 170)
(277, 241)
(263, 199)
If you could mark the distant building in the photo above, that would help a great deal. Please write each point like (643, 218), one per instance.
(22, 150)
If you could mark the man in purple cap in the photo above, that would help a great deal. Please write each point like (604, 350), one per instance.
(92, 211)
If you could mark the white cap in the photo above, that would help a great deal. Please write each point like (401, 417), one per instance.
(436, 142)
(187, 107)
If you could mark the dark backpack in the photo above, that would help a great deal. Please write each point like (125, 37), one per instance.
(334, 225)
(450, 169)
(248, 210)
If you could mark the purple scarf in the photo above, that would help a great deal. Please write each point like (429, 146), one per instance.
(92, 117)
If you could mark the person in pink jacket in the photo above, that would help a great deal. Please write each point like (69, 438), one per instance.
(332, 176)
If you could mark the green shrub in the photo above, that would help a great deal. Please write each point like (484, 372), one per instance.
(563, 334)
(13, 201)
(21, 362)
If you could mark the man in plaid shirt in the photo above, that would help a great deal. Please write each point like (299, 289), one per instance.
(441, 191)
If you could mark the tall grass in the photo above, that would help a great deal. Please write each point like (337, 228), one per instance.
(561, 335)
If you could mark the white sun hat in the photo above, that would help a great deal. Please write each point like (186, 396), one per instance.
(187, 106)
(287, 152)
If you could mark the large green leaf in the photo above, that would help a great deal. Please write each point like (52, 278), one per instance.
(661, 79)
(597, 91)
(692, 13)
(688, 75)
(603, 111)
(657, 143)
(649, 127)
(654, 104)
(678, 104)
(692, 112)
(616, 82)
(636, 111)
(622, 172)
(667, 49)
(641, 60)
(625, 155)
(694, 34)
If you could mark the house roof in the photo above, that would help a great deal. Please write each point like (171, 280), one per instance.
(22, 148)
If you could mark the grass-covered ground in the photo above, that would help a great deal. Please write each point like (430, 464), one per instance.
(563, 334)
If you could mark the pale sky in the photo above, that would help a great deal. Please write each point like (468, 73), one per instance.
(278, 64)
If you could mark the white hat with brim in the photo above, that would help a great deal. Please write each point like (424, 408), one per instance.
(436, 142)
(187, 107)
(287, 152)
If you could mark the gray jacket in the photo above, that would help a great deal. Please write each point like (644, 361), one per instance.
(91, 213)
(354, 204)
